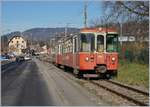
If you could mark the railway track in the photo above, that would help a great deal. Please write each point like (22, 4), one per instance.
(137, 96)
(129, 87)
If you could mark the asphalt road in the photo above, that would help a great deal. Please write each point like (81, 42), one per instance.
(34, 83)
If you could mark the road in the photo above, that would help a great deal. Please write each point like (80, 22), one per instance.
(35, 83)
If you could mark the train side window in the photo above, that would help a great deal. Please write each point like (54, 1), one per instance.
(100, 43)
(60, 49)
(75, 45)
(63, 48)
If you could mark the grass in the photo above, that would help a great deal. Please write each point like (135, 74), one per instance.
(133, 74)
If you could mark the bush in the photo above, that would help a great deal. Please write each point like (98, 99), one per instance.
(134, 52)
(129, 55)
(143, 56)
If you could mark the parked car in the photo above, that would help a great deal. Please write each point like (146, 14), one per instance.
(20, 58)
(11, 55)
(27, 57)
(3, 58)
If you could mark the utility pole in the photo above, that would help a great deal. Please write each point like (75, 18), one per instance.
(121, 33)
(66, 29)
(85, 14)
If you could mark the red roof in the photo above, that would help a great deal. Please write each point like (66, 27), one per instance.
(98, 30)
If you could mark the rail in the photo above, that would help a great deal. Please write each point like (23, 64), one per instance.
(135, 96)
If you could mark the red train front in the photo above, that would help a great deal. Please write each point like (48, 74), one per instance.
(91, 53)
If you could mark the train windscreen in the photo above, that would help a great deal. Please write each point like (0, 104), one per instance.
(112, 43)
(87, 42)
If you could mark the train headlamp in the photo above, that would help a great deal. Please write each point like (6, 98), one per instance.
(113, 59)
(87, 59)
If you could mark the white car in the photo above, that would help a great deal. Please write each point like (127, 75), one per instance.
(27, 58)
(3, 58)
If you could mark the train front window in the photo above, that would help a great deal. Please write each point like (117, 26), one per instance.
(87, 42)
(111, 43)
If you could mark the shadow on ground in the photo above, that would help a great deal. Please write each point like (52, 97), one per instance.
(34, 91)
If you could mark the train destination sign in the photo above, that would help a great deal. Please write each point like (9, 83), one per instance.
(126, 38)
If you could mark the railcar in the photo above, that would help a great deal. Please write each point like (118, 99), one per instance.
(91, 53)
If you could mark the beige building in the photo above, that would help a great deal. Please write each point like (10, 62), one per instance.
(16, 44)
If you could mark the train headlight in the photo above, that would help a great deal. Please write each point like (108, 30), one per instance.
(113, 59)
(87, 59)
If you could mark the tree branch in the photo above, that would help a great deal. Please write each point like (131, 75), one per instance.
(133, 11)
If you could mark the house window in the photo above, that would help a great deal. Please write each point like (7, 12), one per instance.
(17, 41)
(22, 41)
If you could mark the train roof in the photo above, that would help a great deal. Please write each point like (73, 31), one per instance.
(87, 30)
(98, 30)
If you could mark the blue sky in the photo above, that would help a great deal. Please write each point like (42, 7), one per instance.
(20, 16)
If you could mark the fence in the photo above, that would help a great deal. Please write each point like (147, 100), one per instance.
(134, 52)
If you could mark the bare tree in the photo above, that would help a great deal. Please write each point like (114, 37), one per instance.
(140, 8)
(127, 9)
(131, 15)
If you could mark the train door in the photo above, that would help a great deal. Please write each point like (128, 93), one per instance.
(75, 52)
(100, 57)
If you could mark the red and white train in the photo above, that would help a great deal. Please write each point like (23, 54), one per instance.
(91, 53)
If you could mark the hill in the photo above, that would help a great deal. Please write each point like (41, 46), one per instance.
(35, 34)
(41, 34)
